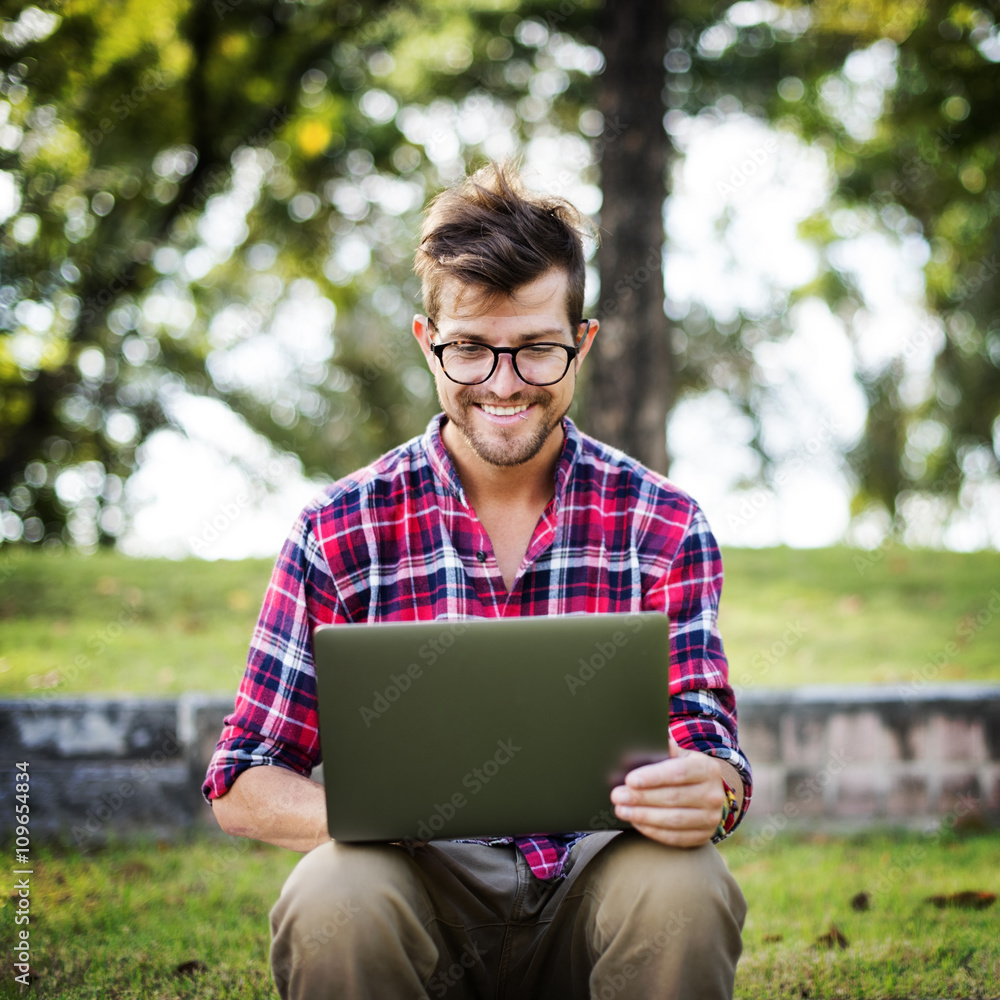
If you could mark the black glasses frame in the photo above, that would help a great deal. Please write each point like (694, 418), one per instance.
(571, 353)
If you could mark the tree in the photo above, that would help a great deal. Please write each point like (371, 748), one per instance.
(920, 169)
(242, 178)
(631, 382)
(223, 176)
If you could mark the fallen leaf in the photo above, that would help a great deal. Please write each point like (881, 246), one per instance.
(833, 938)
(973, 822)
(968, 900)
(861, 902)
(190, 968)
(852, 604)
(33, 974)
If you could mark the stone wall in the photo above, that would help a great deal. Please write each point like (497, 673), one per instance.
(100, 767)
(823, 758)
(861, 756)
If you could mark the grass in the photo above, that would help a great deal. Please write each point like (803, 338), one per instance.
(841, 616)
(129, 920)
(902, 946)
(107, 623)
(126, 921)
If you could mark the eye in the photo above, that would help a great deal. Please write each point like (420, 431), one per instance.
(467, 351)
(539, 352)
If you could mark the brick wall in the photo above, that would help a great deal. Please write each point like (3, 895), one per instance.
(823, 758)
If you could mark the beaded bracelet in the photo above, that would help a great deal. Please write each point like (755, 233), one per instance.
(730, 813)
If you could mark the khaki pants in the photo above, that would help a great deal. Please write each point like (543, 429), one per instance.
(631, 919)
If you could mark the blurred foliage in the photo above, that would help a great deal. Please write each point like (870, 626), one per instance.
(902, 95)
(201, 192)
(221, 199)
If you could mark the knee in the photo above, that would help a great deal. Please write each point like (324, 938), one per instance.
(667, 918)
(671, 891)
(337, 889)
(343, 904)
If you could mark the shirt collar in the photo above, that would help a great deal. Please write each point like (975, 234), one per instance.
(444, 469)
(567, 461)
(439, 459)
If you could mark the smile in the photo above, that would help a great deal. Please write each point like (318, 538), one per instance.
(504, 411)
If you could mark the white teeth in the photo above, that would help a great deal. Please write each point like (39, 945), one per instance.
(503, 411)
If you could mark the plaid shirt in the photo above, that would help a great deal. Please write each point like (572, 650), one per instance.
(398, 541)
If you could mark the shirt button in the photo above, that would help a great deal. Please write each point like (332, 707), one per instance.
(481, 556)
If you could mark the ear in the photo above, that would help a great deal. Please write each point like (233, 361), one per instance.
(422, 331)
(589, 328)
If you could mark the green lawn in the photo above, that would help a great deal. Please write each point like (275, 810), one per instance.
(106, 623)
(901, 946)
(125, 921)
(843, 616)
(129, 920)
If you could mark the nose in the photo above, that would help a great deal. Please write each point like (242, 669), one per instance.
(505, 381)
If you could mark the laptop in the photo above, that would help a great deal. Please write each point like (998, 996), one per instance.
(487, 727)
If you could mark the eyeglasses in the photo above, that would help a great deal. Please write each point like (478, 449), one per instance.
(469, 363)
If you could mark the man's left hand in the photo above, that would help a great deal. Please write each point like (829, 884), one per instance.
(677, 801)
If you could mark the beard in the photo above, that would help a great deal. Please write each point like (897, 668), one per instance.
(506, 446)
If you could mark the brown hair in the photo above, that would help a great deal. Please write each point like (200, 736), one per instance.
(488, 232)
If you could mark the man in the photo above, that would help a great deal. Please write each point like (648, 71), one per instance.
(501, 508)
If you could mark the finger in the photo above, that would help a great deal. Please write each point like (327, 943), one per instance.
(674, 838)
(707, 796)
(663, 772)
(689, 769)
(696, 820)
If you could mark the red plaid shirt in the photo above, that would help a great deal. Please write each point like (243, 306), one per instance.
(398, 541)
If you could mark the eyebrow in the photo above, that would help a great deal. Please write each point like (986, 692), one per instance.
(551, 332)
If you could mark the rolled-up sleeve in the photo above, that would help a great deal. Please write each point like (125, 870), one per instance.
(702, 704)
(275, 719)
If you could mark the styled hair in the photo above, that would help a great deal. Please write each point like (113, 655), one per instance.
(494, 237)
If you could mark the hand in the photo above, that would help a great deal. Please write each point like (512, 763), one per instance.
(677, 801)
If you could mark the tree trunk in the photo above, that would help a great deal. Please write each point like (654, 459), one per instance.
(630, 385)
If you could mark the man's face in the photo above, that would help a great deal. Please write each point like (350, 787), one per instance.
(505, 421)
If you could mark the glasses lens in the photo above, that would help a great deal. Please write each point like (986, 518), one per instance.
(469, 363)
(541, 364)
